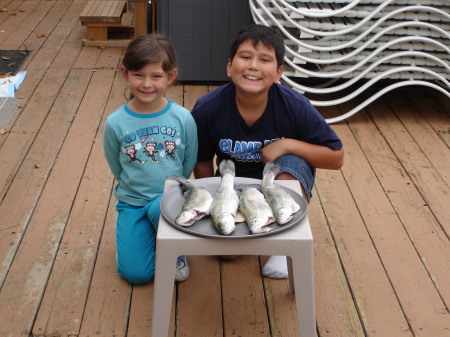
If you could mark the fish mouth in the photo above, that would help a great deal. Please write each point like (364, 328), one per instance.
(283, 216)
(226, 229)
(226, 224)
(284, 219)
(189, 217)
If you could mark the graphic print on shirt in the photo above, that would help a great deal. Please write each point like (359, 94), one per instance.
(244, 151)
(130, 151)
(171, 147)
(151, 149)
(151, 144)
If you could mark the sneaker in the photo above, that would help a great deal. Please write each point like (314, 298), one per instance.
(182, 271)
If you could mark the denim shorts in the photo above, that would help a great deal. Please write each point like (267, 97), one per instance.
(300, 169)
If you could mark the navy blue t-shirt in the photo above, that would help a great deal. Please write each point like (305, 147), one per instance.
(223, 132)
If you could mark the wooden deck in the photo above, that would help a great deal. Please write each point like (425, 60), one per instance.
(381, 224)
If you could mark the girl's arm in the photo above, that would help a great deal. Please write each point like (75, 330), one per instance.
(318, 156)
(204, 169)
(111, 149)
(191, 150)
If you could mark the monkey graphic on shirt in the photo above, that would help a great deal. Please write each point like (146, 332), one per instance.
(130, 151)
(170, 149)
(150, 149)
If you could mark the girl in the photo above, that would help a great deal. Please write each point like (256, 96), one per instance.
(145, 140)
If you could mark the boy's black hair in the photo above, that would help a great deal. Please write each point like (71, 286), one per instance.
(259, 33)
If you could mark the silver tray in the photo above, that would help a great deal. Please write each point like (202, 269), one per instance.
(173, 200)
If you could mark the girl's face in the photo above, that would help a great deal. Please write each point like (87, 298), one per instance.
(254, 69)
(148, 86)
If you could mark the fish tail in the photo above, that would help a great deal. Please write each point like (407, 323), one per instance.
(269, 173)
(185, 184)
(180, 180)
(227, 167)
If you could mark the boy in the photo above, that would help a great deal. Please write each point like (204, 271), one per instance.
(255, 120)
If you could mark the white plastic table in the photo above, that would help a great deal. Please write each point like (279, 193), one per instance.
(295, 242)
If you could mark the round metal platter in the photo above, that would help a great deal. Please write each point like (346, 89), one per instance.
(173, 200)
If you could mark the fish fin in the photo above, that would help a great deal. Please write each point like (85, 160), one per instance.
(239, 217)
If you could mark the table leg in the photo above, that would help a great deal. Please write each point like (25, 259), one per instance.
(163, 290)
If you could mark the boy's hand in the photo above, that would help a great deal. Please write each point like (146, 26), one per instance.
(274, 150)
(318, 156)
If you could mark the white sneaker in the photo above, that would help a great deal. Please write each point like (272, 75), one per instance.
(182, 271)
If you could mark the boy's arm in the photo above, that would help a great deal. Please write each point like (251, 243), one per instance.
(204, 169)
(318, 156)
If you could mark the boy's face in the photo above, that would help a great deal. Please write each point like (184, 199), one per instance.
(254, 69)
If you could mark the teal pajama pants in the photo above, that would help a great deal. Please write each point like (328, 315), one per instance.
(136, 229)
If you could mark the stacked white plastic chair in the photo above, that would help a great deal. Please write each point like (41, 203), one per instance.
(343, 43)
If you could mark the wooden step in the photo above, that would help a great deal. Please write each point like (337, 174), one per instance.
(103, 12)
(99, 16)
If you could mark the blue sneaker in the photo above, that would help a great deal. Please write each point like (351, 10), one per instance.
(182, 271)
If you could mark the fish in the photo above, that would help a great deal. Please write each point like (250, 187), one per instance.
(282, 204)
(197, 202)
(257, 212)
(226, 200)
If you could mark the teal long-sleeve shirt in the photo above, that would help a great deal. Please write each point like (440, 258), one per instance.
(142, 150)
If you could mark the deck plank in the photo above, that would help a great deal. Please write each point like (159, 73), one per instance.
(424, 231)
(46, 78)
(33, 18)
(431, 108)
(26, 279)
(425, 177)
(10, 7)
(243, 298)
(337, 314)
(108, 304)
(17, 18)
(409, 279)
(63, 303)
(369, 283)
(281, 307)
(199, 298)
(32, 174)
(430, 143)
(50, 31)
(367, 278)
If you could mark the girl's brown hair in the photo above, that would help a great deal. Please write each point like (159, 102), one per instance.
(149, 49)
